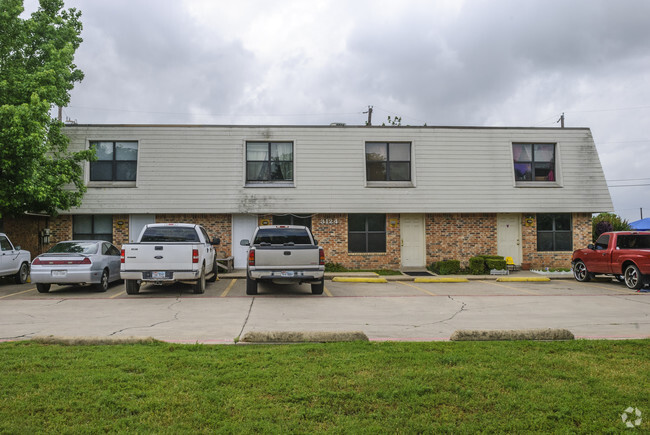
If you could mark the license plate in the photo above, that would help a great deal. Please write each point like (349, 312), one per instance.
(59, 273)
(158, 275)
(286, 273)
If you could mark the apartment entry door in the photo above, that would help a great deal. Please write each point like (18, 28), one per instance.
(137, 223)
(243, 226)
(413, 241)
(509, 236)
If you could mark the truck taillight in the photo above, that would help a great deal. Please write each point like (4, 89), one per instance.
(195, 255)
(251, 258)
(122, 256)
(321, 256)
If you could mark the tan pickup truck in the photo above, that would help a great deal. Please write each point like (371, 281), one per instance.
(284, 254)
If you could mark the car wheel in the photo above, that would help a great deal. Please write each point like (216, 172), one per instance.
(199, 286)
(633, 278)
(23, 273)
(131, 286)
(580, 272)
(215, 270)
(102, 286)
(43, 288)
(318, 287)
(251, 286)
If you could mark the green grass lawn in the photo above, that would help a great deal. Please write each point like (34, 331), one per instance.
(578, 386)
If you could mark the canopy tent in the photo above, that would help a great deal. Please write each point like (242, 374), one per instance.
(641, 225)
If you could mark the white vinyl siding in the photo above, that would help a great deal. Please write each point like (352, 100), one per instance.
(201, 169)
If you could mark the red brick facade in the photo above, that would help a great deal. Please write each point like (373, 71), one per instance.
(448, 237)
(539, 260)
(460, 236)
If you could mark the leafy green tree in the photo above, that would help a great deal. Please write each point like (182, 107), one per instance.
(37, 172)
(599, 224)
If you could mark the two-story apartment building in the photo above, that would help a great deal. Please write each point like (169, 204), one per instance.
(375, 197)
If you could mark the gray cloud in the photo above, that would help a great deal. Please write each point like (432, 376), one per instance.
(497, 62)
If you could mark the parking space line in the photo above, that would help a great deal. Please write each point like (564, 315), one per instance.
(627, 291)
(510, 287)
(227, 290)
(18, 293)
(119, 294)
(327, 292)
(418, 288)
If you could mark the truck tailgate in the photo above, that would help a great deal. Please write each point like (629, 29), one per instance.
(158, 256)
(277, 257)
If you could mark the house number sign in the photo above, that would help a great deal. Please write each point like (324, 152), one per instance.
(329, 221)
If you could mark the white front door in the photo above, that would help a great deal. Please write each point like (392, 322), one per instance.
(137, 223)
(509, 236)
(413, 240)
(243, 226)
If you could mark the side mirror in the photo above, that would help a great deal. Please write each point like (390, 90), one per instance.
(216, 241)
(315, 242)
(591, 246)
(17, 248)
(244, 242)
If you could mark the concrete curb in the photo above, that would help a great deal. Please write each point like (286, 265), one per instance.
(91, 341)
(346, 279)
(523, 279)
(302, 336)
(509, 335)
(441, 280)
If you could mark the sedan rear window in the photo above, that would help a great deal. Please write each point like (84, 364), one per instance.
(282, 236)
(170, 234)
(74, 248)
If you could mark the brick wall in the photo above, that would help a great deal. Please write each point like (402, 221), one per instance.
(331, 231)
(217, 225)
(456, 236)
(60, 229)
(561, 259)
(120, 229)
(24, 232)
(448, 236)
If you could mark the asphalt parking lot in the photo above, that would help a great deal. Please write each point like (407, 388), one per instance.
(397, 310)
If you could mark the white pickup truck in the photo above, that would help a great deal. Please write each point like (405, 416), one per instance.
(13, 260)
(284, 254)
(167, 253)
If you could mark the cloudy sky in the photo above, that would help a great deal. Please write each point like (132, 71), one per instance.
(451, 62)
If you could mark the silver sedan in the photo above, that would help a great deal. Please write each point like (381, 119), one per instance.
(77, 262)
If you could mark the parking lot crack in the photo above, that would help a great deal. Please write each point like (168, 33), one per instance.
(250, 308)
(173, 319)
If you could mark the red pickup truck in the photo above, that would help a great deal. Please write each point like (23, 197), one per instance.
(624, 254)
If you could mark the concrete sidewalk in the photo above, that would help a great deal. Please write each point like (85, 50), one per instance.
(241, 274)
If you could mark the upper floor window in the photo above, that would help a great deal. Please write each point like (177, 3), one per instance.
(534, 162)
(116, 161)
(388, 161)
(269, 162)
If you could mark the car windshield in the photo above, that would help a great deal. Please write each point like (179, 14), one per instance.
(282, 236)
(74, 248)
(170, 234)
(633, 241)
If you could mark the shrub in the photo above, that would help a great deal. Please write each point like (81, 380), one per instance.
(446, 267)
(477, 266)
(335, 267)
(495, 264)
